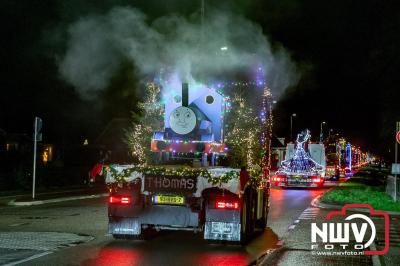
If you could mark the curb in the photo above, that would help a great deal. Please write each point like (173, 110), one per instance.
(39, 202)
(316, 203)
(267, 259)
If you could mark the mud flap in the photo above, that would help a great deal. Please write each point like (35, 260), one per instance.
(124, 226)
(222, 231)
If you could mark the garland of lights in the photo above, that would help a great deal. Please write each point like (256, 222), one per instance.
(122, 176)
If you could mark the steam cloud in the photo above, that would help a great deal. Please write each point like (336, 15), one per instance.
(99, 43)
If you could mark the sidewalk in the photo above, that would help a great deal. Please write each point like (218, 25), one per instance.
(50, 196)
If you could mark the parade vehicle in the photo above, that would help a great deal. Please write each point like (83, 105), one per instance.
(202, 197)
(304, 164)
(207, 200)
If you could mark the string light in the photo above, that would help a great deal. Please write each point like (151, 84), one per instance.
(139, 136)
(301, 163)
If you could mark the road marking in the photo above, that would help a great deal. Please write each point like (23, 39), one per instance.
(18, 224)
(309, 214)
(29, 258)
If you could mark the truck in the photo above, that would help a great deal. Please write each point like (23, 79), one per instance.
(304, 164)
(170, 195)
(207, 200)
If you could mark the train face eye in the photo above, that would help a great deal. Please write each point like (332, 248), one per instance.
(177, 114)
(187, 115)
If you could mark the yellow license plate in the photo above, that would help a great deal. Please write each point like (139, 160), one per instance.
(175, 200)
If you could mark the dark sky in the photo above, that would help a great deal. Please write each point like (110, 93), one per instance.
(346, 52)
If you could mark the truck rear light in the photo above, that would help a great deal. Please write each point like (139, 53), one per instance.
(278, 178)
(317, 180)
(120, 200)
(227, 204)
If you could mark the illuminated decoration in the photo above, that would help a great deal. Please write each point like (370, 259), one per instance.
(348, 156)
(193, 124)
(216, 125)
(266, 135)
(120, 176)
(132, 173)
(243, 131)
(180, 146)
(138, 137)
(301, 162)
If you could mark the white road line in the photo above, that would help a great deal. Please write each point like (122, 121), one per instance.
(28, 259)
(310, 212)
(307, 216)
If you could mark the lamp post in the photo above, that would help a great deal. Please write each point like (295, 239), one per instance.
(291, 125)
(329, 134)
(321, 134)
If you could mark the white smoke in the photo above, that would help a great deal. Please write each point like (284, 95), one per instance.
(98, 43)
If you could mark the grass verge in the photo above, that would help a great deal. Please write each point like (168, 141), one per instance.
(352, 193)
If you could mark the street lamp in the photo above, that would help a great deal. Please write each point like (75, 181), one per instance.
(329, 134)
(321, 134)
(291, 125)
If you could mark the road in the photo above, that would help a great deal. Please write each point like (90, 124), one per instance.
(77, 235)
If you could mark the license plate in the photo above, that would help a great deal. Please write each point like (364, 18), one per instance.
(174, 200)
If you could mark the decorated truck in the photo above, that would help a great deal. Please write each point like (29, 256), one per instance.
(207, 200)
(304, 164)
(185, 187)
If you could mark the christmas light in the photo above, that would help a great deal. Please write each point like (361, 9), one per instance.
(301, 163)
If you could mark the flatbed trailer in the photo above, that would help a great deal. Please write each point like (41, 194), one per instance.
(207, 200)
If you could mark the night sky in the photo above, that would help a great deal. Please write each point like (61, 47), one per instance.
(345, 52)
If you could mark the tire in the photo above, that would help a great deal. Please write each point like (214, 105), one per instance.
(252, 214)
(243, 222)
(262, 223)
(115, 236)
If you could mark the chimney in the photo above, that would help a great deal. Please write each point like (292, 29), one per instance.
(185, 94)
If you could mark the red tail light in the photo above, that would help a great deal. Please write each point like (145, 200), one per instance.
(317, 180)
(120, 200)
(219, 204)
(278, 178)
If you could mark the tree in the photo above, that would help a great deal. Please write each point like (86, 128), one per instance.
(138, 137)
(243, 134)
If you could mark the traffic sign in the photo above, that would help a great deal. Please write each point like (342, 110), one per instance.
(398, 137)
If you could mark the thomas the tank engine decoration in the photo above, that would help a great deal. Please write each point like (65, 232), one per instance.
(193, 126)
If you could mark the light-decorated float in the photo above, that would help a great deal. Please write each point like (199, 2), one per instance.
(304, 165)
(209, 198)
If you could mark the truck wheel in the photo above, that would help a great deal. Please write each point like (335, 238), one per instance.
(252, 214)
(115, 236)
(262, 223)
(243, 222)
